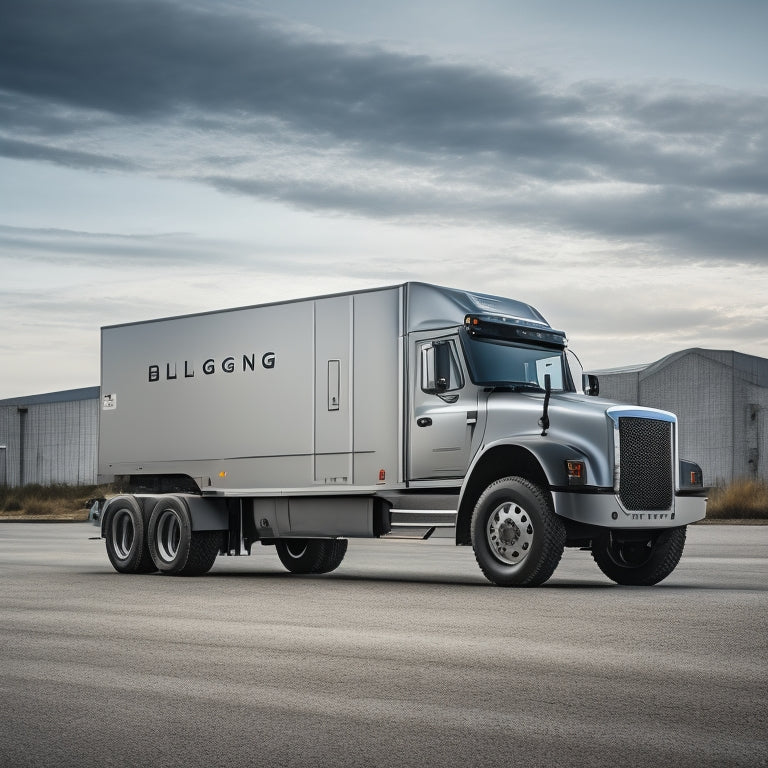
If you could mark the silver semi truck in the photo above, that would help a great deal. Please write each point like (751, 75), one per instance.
(388, 412)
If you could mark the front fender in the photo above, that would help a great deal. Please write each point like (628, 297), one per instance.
(551, 457)
(541, 461)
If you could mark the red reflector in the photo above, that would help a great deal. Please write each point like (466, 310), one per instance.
(382, 475)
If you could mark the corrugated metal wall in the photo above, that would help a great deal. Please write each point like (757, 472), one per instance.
(624, 387)
(753, 420)
(700, 392)
(49, 442)
(9, 440)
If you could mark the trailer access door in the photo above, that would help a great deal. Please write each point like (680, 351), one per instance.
(333, 407)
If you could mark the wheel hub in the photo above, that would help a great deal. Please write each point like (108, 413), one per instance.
(122, 534)
(168, 535)
(510, 533)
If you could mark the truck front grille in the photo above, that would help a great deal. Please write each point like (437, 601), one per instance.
(646, 480)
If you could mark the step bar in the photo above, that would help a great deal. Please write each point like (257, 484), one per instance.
(421, 522)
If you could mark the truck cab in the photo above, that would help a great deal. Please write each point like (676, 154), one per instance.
(506, 400)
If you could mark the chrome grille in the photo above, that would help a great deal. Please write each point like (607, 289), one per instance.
(646, 479)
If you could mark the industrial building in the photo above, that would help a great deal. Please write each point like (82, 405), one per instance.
(721, 401)
(51, 438)
(720, 398)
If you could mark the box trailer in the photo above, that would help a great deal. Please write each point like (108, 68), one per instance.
(386, 412)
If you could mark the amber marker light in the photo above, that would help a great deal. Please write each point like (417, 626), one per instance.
(577, 472)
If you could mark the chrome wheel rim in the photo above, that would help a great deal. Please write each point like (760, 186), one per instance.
(123, 534)
(510, 533)
(295, 549)
(168, 535)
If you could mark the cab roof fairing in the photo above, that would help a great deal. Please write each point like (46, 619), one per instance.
(432, 307)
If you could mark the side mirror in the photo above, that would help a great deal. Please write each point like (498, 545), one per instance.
(442, 366)
(436, 367)
(591, 384)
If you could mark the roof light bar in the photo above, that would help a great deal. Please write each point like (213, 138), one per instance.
(510, 329)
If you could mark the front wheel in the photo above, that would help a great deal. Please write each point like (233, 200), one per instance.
(517, 537)
(177, 549)
(311, 555)
(639, 563)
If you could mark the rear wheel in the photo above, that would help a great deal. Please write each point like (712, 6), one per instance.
(517, 537)
(639, 562)
(126, 535)
(177, 549)
(311, 555)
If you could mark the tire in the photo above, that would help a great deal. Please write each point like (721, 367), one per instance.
(311, 555)
(639, 563)
(126, 535)
(177, 549)
(517, 537)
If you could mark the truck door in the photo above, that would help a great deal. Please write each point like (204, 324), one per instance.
(443, 414)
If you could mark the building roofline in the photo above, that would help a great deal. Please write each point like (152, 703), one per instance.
(63, 396)
(728, 357)
(620, 369)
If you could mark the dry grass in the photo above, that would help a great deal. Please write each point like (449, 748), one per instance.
(741, 499)
(65, 502)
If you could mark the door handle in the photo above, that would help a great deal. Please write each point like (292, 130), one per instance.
(424, 421)
(472, 417)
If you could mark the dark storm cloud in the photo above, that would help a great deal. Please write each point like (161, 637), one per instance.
(149, 58)
(30, 116)
(100, 249)
(106, 250)
(375, 200)
(26, 150)
(687, 221)
(485, 136)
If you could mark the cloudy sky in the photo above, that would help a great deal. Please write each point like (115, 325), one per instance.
(606, 161)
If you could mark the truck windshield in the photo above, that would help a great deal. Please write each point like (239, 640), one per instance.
(495, 363)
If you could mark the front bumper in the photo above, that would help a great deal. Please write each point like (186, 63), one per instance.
(605, 509)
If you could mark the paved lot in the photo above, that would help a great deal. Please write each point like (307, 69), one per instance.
(404, 656)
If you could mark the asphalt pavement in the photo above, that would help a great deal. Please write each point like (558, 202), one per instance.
(404, 656)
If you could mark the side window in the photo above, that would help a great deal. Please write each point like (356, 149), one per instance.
(575, 370)
(440, 369)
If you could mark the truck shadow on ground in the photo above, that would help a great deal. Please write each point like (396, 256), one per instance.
(438, 580)
(464, 581)
(374, 578)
